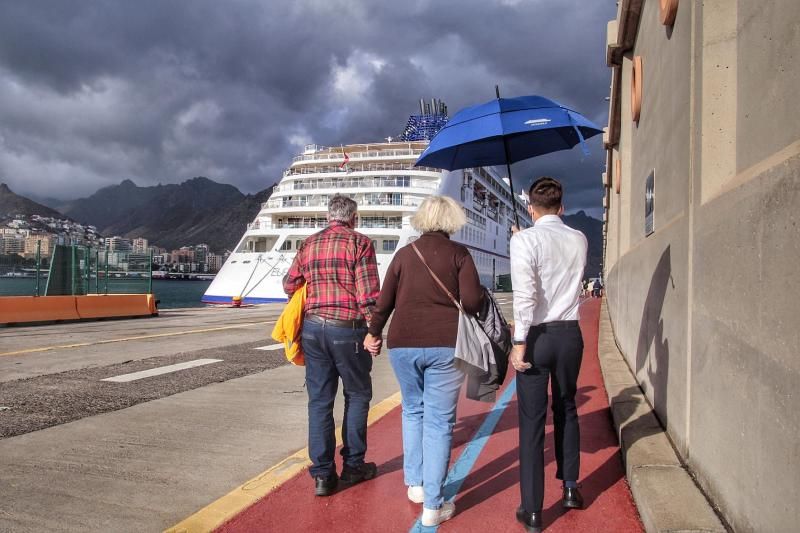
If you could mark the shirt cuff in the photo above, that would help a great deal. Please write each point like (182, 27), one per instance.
(520, 334)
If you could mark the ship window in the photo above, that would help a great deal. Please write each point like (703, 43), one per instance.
(287, 245)
(232, 262)
(390, 245)
(298, 243)
(246, 262)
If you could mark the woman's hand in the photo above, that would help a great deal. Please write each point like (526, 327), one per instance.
(373, 344)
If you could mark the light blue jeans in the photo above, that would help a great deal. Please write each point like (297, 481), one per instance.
(429, 384)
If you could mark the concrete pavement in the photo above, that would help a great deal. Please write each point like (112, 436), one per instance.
(145, 467)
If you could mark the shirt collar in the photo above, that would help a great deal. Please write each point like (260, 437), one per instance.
(338, 223)
(549, 219)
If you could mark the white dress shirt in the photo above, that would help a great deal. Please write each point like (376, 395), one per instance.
(547, 263)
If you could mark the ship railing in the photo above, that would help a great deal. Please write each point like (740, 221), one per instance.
(397, 200)
(357, 167)
(357, 184)
(339, 155)
(371, 224)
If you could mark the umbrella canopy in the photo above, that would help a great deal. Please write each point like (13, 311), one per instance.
(504, 131)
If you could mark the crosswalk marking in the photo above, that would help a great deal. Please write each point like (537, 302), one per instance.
(125, 378)
(270, 347)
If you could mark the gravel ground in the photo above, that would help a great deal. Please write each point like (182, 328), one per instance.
(36, 403)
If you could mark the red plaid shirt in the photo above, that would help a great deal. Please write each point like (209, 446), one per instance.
(341, 271)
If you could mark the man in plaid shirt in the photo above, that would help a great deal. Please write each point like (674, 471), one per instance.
(339, 267)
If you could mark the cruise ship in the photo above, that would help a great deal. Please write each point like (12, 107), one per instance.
(382, 178)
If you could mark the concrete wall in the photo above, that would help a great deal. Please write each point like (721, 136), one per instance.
(706, 309)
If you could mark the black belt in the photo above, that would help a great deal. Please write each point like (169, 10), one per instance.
(352, 324)
(556, 324)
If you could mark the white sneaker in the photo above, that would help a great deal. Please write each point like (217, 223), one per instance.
(434, 517)
(416, 494)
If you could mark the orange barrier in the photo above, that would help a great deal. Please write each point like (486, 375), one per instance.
(37, 308)
(24, 309)
(115, 305)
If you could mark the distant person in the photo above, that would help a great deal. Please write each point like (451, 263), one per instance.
(422, 339)
(339, 269)
(597, 290)
(547, 264)
(590, 288)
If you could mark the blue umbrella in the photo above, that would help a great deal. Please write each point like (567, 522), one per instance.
(504, 131)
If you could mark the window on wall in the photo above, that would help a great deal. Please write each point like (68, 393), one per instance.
(390, 245)
(298, 243)
(287, 245)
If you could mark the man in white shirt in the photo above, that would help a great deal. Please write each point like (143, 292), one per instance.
(547, 264)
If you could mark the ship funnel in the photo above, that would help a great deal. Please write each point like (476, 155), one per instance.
(423, 127)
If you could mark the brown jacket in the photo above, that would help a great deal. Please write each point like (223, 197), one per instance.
(424, 317)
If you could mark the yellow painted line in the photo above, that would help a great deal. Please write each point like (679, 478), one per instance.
(124, 339)
(217, 513)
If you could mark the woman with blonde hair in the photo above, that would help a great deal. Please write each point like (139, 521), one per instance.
(422, 340)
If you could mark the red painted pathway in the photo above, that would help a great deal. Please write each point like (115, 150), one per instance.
(490, 493)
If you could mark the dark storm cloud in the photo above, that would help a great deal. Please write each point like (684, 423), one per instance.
(159, 91)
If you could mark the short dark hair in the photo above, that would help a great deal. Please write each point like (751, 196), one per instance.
(545, 193)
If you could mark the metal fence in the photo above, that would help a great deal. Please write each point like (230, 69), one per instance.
(76, 270)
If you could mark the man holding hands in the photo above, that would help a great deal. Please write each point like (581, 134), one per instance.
(547, 266)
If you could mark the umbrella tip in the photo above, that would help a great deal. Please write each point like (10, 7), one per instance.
(497, 91)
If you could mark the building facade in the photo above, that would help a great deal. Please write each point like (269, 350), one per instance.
(701, 247)
(118, 244)
(42, 243)
(139, 245)
(12, 244)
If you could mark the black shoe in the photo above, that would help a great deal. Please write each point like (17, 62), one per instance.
(531, 521)
(356, 474)
(326, 485)
(572, 499)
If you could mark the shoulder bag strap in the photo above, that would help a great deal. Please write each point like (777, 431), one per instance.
(436, 278)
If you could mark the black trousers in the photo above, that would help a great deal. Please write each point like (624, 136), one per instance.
(555, 351)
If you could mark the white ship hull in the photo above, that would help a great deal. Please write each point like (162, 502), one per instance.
(388, 189)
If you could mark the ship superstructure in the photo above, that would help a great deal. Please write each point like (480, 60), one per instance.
(382, 179)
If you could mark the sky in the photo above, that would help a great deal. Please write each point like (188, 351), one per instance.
(160, 91)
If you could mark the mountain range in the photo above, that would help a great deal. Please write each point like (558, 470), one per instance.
(593, 229)
(198, 211)
(13, 204)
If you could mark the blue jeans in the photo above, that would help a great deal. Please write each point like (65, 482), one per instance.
(429, 384)
(331, 353)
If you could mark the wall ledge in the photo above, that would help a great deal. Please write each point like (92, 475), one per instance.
(666, 495)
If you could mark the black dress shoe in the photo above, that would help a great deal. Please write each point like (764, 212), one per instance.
(531, 521)
(572, 499)
(326, 485)
(356, 474)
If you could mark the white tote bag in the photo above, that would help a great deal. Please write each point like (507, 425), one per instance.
(473, 348)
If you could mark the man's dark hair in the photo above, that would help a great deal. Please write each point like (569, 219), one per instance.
(545, 193)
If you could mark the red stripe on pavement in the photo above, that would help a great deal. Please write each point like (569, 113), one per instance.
(490, 494)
